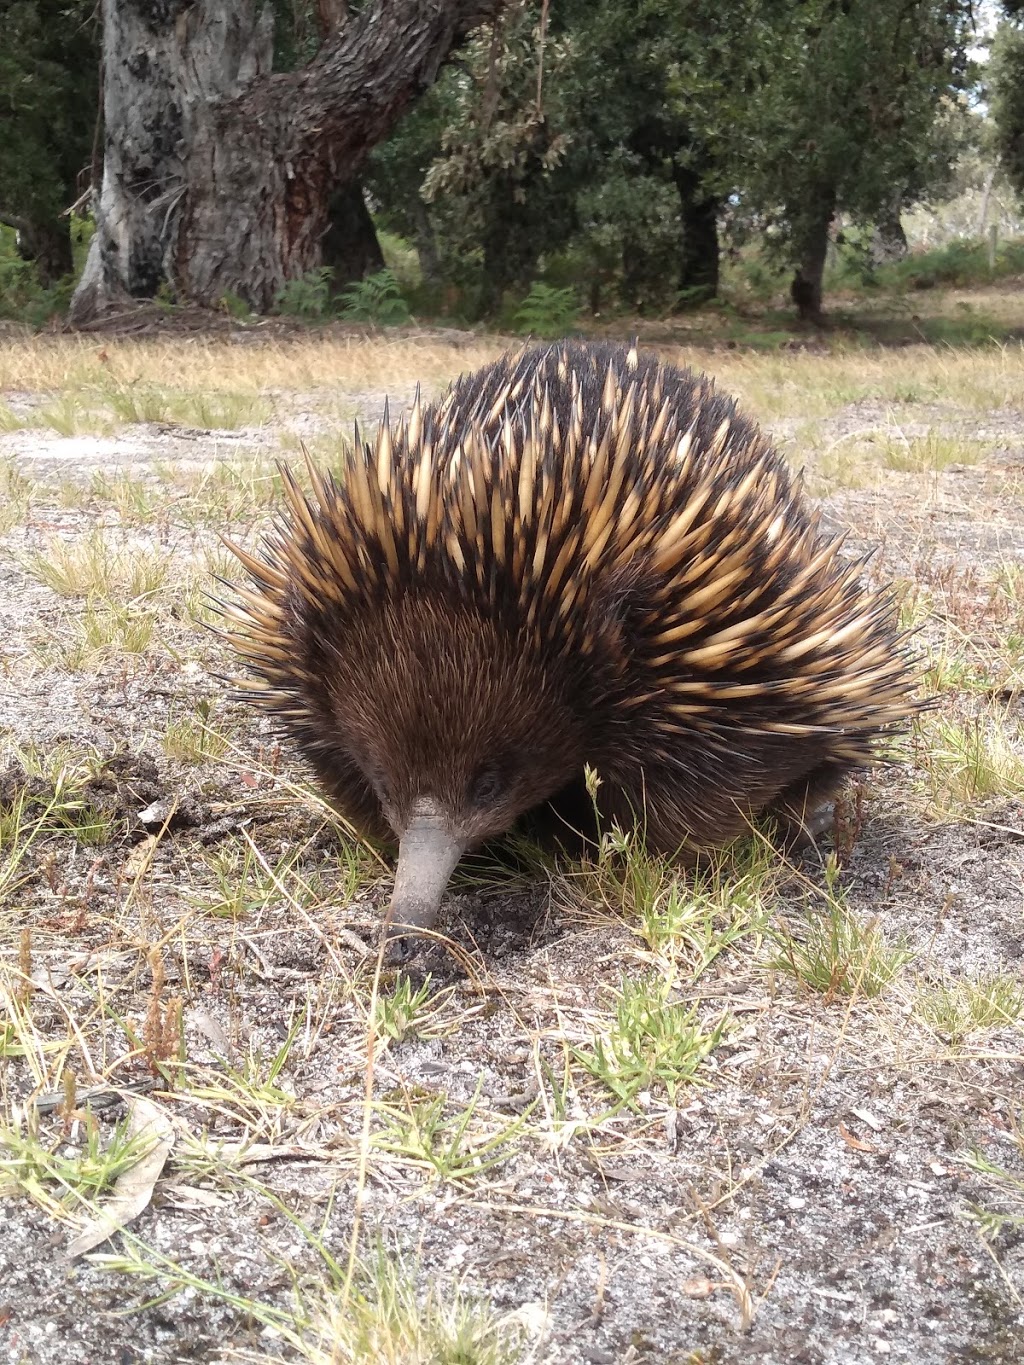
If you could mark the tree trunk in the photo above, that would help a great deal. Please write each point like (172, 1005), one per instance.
(217, 175)
(698, 256)
(426, 243)
(350, 245)
(811, 247)
(986, 195)
(47, 245)
(889, 240)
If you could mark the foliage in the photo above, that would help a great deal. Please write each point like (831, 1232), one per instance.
(48, 73)
(307, 297)
(836, 955)
(854, 117)
(957, 265)
(653, 1039)
(376, 299)
(1005, 80)
(600, 141)
(547, 312)
(21, 293)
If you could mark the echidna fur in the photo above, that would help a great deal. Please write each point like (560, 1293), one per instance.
(578, 556)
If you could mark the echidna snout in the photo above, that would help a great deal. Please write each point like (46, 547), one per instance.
(578, 556)
(457, 728)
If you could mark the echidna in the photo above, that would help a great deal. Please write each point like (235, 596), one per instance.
(578, 556)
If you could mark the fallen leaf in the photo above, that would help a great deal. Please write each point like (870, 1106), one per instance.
(133, 1189)
(856, 1143)
(867, 1117)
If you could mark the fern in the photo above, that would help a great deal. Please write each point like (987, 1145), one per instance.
(306, 297)
(377, 299)
(547, 312)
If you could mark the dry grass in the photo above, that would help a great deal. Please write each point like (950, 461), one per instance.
(355, 364)
(804, 383)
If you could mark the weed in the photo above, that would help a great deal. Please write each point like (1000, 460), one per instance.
(412, 1012)
(234, 306)
(969, 759)
(652, 1039)
(929, 454)
(15, 493)
(838, 955)
(33, 1166)
(446, 1147)
(1008, 1185)
(69, 415)
(244, 884)
(106, 628)
(390, 1317)
(688, 920)
(135, 500)
(307, 297)
(89, 567)
(190, 738)
(958, 1008)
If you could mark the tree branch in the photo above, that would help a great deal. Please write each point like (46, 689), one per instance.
(15, 221)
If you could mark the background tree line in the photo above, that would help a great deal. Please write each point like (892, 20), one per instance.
(227, 148)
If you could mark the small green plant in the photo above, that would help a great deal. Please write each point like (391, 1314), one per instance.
(15, 492)
(958, 1008)
(135, 500)
(447, 1147)
(547, 312)
(376, 299)
(243, 885)
(1006, 1184)
(653, 1039)
(90, 566)
(411, 1012)
(390, 1316)
(108, 628)
(837, 954)
(70, 415)
(928, 454)
(970, 759)
(190, 738)
(234, 306)
(53, 1173)
(687, 919)
(307, 297)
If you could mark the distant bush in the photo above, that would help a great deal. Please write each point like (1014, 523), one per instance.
(957, 264)
(377, 299)
(21, 295)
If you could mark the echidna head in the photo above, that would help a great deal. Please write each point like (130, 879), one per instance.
(457, 727)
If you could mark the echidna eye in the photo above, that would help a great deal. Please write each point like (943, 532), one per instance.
(487, 787)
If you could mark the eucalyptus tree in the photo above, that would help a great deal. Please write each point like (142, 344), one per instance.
(218, 171)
